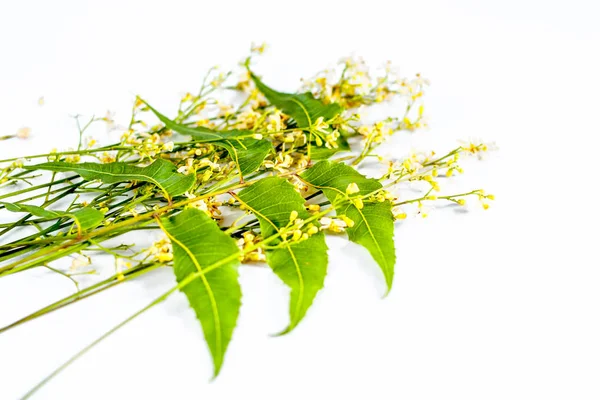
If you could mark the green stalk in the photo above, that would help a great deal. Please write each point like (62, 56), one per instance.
(47, 203)
(190, 278)
(72, 152)
(99, 287)
(41, 255)
(43, 185)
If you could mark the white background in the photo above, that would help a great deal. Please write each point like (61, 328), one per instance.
(501, 304)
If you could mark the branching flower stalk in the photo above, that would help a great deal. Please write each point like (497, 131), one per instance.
(257, 179)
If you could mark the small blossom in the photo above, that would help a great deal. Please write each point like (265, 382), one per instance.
(296, 235)
(258, 49)
(161, 250)
(120, 266)
(332, 225)
(352, 188)
(314, 207)
(109, 119)
(23, 133)
(168, 146)
(358, 203)
(349, 222)
(312, 229)
(80, 261)
(107, 158)
(91, 142)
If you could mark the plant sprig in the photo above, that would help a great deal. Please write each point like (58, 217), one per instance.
(287, 166)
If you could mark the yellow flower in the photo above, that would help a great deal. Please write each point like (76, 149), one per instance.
(75, 158)
(314, 207)
(358, 203)
(297, 235)
(107, 158)
(164, 257)
(312, 229)
(293, 215)
(352, 188)
(349, 222)
(258, 49)
(249, 237)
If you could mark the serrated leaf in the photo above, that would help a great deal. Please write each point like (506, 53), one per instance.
(302, 265)
(373, 224)
(215, 296)
(86, 218)
(248, 153)
(303, 107)
(200, 134)
(161, 173)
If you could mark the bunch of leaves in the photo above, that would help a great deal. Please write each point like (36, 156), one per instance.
(288, 164)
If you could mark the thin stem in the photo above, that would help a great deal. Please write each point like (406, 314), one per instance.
(35, 259)
(71, 152)
(100, 339)
(84, 293)
(190, 278)
(43, 185)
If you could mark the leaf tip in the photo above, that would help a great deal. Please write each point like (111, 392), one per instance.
(283, 332)
(216, 369)
(389, 279)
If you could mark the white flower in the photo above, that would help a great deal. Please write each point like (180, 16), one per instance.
(168, 146)
(79, 261)
(23, 133)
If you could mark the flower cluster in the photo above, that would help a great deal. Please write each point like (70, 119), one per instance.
(352, 84)
(249, 249)
(161, 251)
(224, 103)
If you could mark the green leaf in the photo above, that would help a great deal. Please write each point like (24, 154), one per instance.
(161, 173)
(198, 245)
(303, 107)
(373, 224)
(200, 134)
(301, 265)
(248, 154)
(86, 218)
